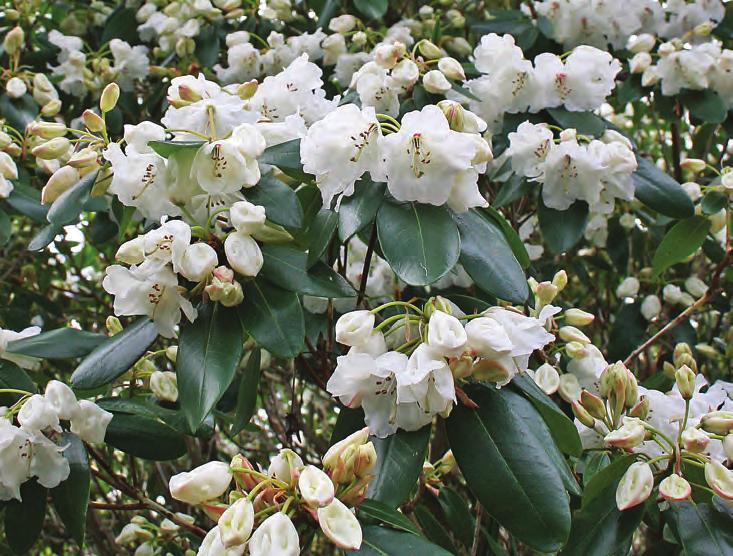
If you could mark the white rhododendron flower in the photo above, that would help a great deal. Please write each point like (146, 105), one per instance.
(276, 536)
(202, 484)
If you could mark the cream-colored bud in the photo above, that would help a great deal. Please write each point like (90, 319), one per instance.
(83, 158)
(16, 87)
(452, 68)
(247, 90)
(572, 334)
(578, 317)
(113, 325)
(52, 149)
(60, 181)
(429, 49)
(675, 487)
(14, 40)
(51, 108)
(560, 280)
(164, 385)
(693, 164)
(93, 121)
(109, 98)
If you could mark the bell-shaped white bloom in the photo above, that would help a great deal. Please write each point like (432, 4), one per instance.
(340, 525)
(37, 414)
(591, 76)
(405, 73)
(62, 399)
(635, 486)
(212, 545)
(446, 334)
(198, 262)
(164, 385)
(424, 156)
(168, 243)
(339, 148)
(276, 536)
(138, 136)
(47, 462)
(285, 466)
(201, 484)
(148, 290)
(571, 172)
(130, 63)
(628, 287)
(675, 487)
(7, 336)
(132, 251)
(428, 382)
(547, 378)
(243, 254)
(247, 217)
(629, 435)
(90, 422)
(15, 453)
(720, 479)
(315, 487)
(227, 165)
(236, 523)
(355, 328)
(377, 89)
(528, 148)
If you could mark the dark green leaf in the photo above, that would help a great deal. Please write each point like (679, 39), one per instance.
(207, 45)
(512, 190)
(208, 355)
(57, 344)
(285, 266)
(71, 497)
(510, 234)
(379, 511)
(705, 105)
(247, 393)
(488, 258)
(273, 317)
(563, 229)
(44, 237)
(681, 241)
(606, 478)
(27, 200)
(433, 529)
(320, 234)
(628, 331)
(145, 437)
(280, 201)
(500, 449)
(586, 123)
(121, 24)
(115, 355)
(67, 207)
(13, 377)
(372, 9)
(286, 156)
(349, 421)
(145, 407)
(700, 529)
(382, 541)
(659, 191)
(167, 148)
(6, 228)
(420, 242)
(359, 210)
(24, 520)
(399, 463)
(457, 515)
(18, 112)
(713, 202)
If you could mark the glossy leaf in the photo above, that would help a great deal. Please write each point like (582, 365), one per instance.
(115, 355)
(681, 241)
(700, 529)
(379, 511)
(457, 515)
(511, 235)
(286, 156)
(67, 207)
(209, 351)
(167, 148)
(15, 378)
(61, 343)
(247, 392)
(145, 437)
(372, 9)
(488, 258)
(24, 520)
(563, 229)
(500, 449)
(280, 201)
(320, 234)
(420, 242)
(660, 191)
(359, 210)
(44, 237)
(382, 541)
(399, 463)
(586, 123)
(273, 317)
(706, 105)
(18, 112)
(71, 497)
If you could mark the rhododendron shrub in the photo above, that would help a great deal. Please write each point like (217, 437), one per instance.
(320, 277)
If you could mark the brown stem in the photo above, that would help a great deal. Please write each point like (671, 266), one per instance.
(367, 264)
(477, 530)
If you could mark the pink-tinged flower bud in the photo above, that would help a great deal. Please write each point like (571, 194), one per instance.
(720, 479)
(641, 409)
(452, 68)
(454, 113)
(593, 404)
(547, 378)
(229, 294)
(109, 98)
(335, 452)
(491, 370)
(578, 317)
(675, 487)
(693, 164)
(14, 40)
(275, 536)
(285, 466)
(582, 415)
(198, 262)
(340, 525)
(685, 379)
(572, 334)
(461, 367)
(247, 90)
(629, 435)
(93, 121)
(635, 486)
(631, 392)
(224, 274)
(61, 180)
(248, 480)
(164, 385)
(387, 55)
(694, 440)
(354, 328)
(187, 93)
(315, 487)
(236, 523)
(717, 422)
(204, 483)
(47, 130)
(52, 149)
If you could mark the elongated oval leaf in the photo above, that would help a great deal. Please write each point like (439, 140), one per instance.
(19, 112)
(24, 520)
(681, 241)
(208, 354)
(71, 497)
(399, 463)
(247, 392)
(511, 235)
(379, 511)
(659, 191)
(68, 206)
(15, 378)
(488, 258)
(500, 450)
(286, 156)
(57, 344)
(274, 318)
(280, 201)
(359, 210)
(320, 234)
(115, 355)
(44, 237)
(144, 437)
(700, 529)
(563, 229)
(586, 123)
(373, 9)
(167, 148)
(420, 242)
(706, 105)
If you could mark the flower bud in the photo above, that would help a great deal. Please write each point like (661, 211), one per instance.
(201, 484)
(547, 378)
(236, 523)
(720, 479)
(546, 293)
(693, 164)
(582, 415)
(570, 134)
(641, 43)
(15, 87)
(429, 50)
(243, 254)
(575, 350)
(335, 452)
(275, 535)
(364, 460)
(728, 447)
(315, 487)
(613, 378)
(354, 328)
(340, 525)
(675, 487)
(93, 121)
(717, 422)
(387, 55)
(452, 68)
(681, 350)
(113, 325)
(164, 385)
(247, 217)
(198, 262)
(83, 158)
(640, 62)
(132, 251)
(53, 149)
(454, 113)
(629, 435)
(171, 353)
(635, 486)
(109, 98)
(51, 108)
(342, 24)
(285, 466)
(629, 287)
(651, 307)
(593, 404)
(569, 388)
(247, 480)
(578, 317)
(560, 280)
(47, 130)
(247, 90)
(694, 440)
(14, 40)
(631, 392)
(60, 181)
(229, 294)
(436, 83)
(685, 380)
(133, 532)
(695, 286)
(572, 334)
(641, 409)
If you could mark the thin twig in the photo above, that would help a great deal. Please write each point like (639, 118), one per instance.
(477, 529)
(367, 264)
